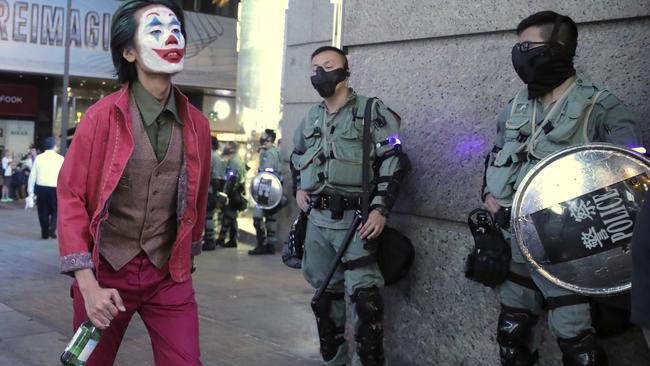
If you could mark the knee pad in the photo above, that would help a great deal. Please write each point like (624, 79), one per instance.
(330, 336)
(370, 334)
(582, 350)
(514, 331)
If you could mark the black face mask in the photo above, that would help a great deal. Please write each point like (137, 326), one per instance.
(325, 82)
(543, 68)
(262, 141)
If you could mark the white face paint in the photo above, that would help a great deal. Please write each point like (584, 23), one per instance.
(161, 45)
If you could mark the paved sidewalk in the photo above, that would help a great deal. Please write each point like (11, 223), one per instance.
(253, 310)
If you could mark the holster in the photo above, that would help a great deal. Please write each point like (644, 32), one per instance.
(295, 248)
(336, 207)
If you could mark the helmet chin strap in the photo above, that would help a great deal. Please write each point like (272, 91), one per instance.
(555, 35)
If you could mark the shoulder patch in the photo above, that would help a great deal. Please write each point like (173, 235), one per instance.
(380, 120)
(383, 111)
(522, 108)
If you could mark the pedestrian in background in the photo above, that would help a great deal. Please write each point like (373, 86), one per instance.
(19, 182)
(7, 169)
(42, 183)
(28, 161)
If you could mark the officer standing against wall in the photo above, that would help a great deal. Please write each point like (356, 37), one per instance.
(555, 110)
(264, 220)
(326, 166)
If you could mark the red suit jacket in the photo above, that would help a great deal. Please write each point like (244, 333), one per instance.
(102, 146)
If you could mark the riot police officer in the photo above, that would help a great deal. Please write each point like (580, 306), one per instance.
(216, 185)
(234, 174)
(556, 109)
(326, 166)
(264, 220)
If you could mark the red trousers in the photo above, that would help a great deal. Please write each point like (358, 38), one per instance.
(168, 309)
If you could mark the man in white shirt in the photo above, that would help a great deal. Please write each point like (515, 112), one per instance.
(7, 170)
(42, 182)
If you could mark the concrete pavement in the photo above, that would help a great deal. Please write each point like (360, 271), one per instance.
(252, 310)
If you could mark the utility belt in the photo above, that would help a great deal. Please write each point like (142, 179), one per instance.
(335, 203)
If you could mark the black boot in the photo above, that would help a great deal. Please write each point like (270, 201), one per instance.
(232, 243)
(270, 244)
(219, 242)
(261, 250)
(209, 244)
(260, 235)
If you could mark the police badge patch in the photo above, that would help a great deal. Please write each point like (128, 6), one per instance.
(521, 108)
(380, 121)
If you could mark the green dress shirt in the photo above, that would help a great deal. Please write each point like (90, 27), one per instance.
(156, 117)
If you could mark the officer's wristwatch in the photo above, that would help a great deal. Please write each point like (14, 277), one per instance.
(382, 210)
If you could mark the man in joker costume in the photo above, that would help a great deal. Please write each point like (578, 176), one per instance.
(133, 191)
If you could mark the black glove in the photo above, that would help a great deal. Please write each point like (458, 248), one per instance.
(489, 262)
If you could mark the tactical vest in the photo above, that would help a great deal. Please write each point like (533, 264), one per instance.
(527, 141)
(333, 160)
(269, 160)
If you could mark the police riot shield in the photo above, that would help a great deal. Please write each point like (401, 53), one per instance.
(266, 190)
(573, 216)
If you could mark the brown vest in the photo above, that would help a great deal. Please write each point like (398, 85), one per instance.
(142, 209)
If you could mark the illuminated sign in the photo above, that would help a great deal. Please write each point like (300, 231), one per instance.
(18, 100)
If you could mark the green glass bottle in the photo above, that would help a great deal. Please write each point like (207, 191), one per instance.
(83, 343)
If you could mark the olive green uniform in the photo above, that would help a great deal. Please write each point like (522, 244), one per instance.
(216, 166)
(265, 222)
(233, 169)
(328, 156)
(586, 113)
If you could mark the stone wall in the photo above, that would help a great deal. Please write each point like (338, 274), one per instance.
(445, 67)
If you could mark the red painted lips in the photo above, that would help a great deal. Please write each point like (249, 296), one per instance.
(171, 55)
